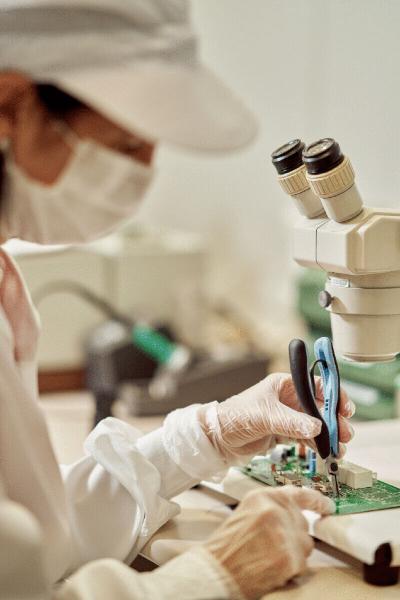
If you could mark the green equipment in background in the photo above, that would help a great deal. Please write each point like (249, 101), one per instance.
(373, 387)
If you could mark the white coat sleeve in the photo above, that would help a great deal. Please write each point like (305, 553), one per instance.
(22, 571)
(195, 575)
(119, 494)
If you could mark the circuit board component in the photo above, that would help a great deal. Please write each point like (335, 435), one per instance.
(360, 490)
(355, 476)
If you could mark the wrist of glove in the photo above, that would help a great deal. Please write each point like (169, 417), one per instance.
(267, 413)
(265, 543)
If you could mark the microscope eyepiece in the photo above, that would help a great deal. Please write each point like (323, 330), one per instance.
(331, 177)
(288, 161)
(322, 156)
(288, 157)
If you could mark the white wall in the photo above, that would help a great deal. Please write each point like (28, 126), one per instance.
(309, 68)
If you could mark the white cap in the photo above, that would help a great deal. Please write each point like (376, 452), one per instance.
(135, 61)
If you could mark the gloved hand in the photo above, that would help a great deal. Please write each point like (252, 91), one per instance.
(265, 543)
(265, 414)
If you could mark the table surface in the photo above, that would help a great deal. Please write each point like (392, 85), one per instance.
(376, 446)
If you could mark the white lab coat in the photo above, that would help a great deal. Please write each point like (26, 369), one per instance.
(104, 506)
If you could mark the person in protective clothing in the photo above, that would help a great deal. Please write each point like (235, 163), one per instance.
(87, 90)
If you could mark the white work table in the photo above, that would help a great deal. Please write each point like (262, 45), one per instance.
(376, 446)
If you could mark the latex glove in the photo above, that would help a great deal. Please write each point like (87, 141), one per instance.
(265, 414)
(265, 543)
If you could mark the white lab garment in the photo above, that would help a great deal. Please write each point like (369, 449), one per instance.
(108, 504)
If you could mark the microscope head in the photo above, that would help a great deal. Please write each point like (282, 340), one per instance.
(358, 248)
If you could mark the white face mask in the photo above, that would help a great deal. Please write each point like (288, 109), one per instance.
(98, 190)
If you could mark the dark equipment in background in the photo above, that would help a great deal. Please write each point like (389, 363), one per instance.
(118, 369)
(112, 358)
(149, 369)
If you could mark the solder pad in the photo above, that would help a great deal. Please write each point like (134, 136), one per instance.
(378, 497)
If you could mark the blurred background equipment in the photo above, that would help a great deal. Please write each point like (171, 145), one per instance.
(129, 319)
(119, 370)
(156, 275)
(156, 372)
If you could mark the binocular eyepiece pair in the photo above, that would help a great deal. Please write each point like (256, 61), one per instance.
(319, 178)
(319, 157)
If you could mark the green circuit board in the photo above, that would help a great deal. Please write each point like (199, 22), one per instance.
(379, 496)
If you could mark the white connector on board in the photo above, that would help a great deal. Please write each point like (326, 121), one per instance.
(355, 476)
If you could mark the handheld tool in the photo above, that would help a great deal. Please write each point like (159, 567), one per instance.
(327, 441)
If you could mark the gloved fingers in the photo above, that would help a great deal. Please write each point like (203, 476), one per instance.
(240, 428)
(295, 499)
(311, 444)
(307, 543)
(287, 394)
(294, 522)
(285, 496)
(298, 517)
(291, 423)
(346, 406)
(262, 546)
(342, 450)
(302, 522)
(258, 500)
(259, 446)
(298, 558)
(306, 499)
(249, 423)
(346, 430)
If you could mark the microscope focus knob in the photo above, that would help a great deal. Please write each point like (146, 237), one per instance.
(324, 299)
